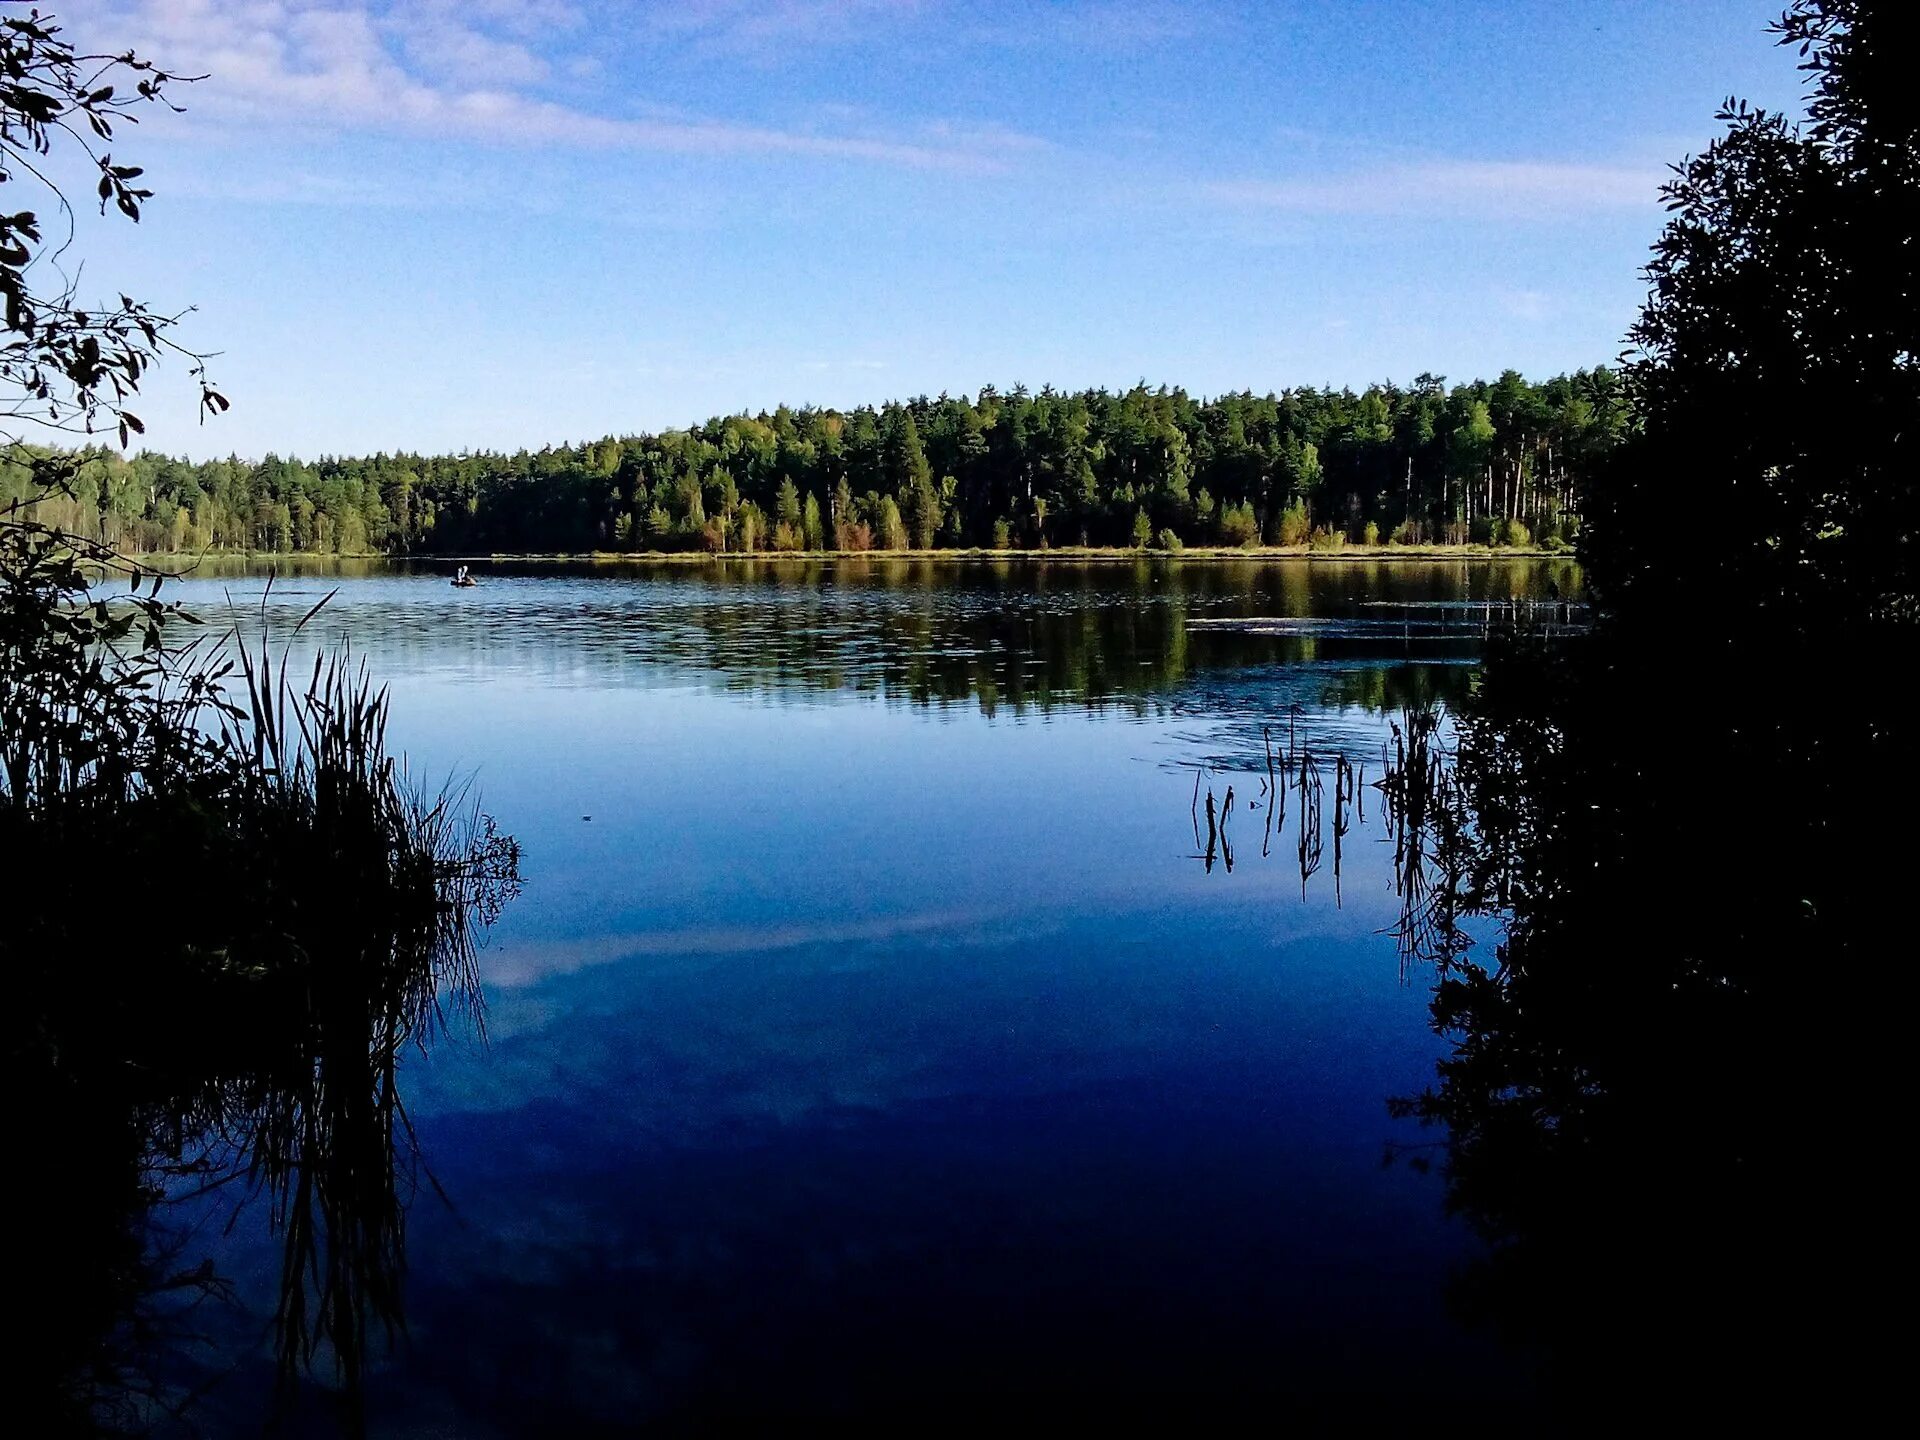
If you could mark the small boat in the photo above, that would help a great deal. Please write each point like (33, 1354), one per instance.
(464, 582)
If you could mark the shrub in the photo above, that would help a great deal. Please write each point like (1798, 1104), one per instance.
(1405, 533)
(1238, 526)
(1481, 532)
(1514, 533)
(1170, 542)
(1370, 535)
(1002, 535)
(1325, 539)
(750, 527)
(1142, 529)
(893, 529)
(1293, 525)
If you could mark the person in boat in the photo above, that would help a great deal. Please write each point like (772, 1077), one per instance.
(462, 578)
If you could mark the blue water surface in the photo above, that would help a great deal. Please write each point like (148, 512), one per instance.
(874, 1037)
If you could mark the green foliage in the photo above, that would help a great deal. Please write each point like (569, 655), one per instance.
(786, 505)
(70, 364)
(1051, 465)
(750, 529)
(1169, 541)
(1370, 535)
(1002, 535)
(1142, 529)
(891, 527)
(1294, 527)
(1326, 538)
(1775, 375)
(1238, 525)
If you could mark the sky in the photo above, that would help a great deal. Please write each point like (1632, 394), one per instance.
(440, 225)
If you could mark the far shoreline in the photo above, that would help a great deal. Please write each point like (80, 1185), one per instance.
(1075, 553)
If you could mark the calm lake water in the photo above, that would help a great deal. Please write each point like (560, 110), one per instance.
(873, 1035)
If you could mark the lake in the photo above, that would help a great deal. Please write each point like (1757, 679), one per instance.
(878, 1032)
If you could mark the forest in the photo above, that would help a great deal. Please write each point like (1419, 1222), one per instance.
(1495, 463)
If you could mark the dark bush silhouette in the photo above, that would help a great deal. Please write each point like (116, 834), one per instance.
(227, 913)
(1664, 1095)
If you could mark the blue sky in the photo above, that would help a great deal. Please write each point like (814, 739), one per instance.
(441, 224)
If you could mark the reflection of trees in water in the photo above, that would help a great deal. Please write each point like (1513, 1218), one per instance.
(1627, 939)
(1618, 932)
(1424, 810)
(1002, 636)
(1663, 1099)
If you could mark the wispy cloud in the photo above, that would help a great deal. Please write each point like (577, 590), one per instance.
(1526, 304)
(440, 38)
(1489, 189)
(467, 73)
(769, 30)
(1093, 24)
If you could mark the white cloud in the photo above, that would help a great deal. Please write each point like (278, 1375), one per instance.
(1490, 189)
(765, 29)
(1092, 24)
(768, 32)
(344, 67)
(1526, 304)
(440, 42)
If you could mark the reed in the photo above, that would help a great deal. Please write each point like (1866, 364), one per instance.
(250, 1044)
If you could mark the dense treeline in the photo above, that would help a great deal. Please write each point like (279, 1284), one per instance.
(1495, 463)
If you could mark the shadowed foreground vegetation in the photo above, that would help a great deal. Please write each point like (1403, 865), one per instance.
(229, 915)
(172, 1042)
(1667, 1096)
(1661, 954)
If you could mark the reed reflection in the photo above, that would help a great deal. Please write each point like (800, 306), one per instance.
(240, 1061)
(1294, 782)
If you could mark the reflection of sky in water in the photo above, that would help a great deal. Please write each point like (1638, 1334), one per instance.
(854, 1053)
